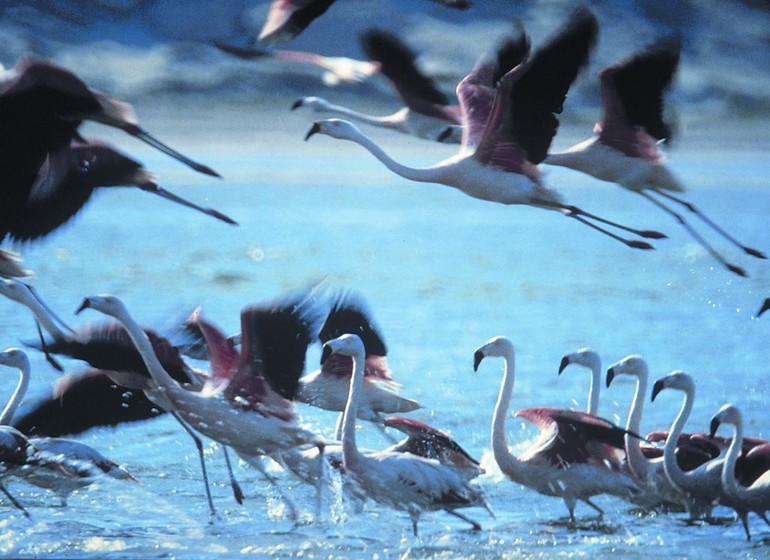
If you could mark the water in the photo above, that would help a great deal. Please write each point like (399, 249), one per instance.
(443, 273)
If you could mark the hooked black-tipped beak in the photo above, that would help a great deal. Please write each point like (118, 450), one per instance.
(765, 307)
(85, 305)
(610, 376)
(444, 134)
(327, 351)
(713, 427)
(478, 355)
(297, 104)
(657, 388)
(563, 365)
(313, 129)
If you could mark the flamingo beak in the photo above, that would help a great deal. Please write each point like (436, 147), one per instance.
(86, 304)
(297, 104)
(327, 352)
(564, 363)
(477, 357)
(610, 376)
(313, 130)
(657, 388)
(713, 427)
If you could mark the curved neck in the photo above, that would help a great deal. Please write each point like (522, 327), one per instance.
(729, 482)
(675, 474)
(636, 459)
(18, 395)
(45, 317)
(423, 175)
(390, 121)
(350, 452)
(142, 342)
(508, 463)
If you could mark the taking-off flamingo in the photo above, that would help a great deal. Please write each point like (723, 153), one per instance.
(503, 166)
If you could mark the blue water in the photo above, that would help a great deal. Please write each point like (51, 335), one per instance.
(442, 273)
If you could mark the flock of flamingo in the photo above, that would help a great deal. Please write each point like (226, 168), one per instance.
(504, 121)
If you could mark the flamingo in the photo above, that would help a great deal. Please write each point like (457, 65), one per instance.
(625, 148)
(66, 181)
(108, 348)
(326, 388)
(576, 455)
(426, 112)
(590, 359)
(647, 463)
(41, 107)
(503, 168)
(402, 481)
(245, 413)
(10, 265)
(336, 68)
(87, 460)
(752, 494)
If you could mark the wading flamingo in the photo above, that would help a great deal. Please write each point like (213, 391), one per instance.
(625, 148)
(750, 492)
(402, 481)
(576, 456)
(503, 167)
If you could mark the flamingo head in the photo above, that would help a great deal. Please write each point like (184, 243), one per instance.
(633, 364)
(497, 346)
(336, 128)
(584, 357)
(674, 380)
(311, 102)
(15, 358)
(728, 414)
(345, 345)
(107, 304)
(15, 290)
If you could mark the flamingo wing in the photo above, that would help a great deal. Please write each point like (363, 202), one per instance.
(752, 464)
(288, 18)
(426, 441)
(476, 91)
(107, 346)
(523, 120)
(397, 63)
(82, 401)
(222, 354)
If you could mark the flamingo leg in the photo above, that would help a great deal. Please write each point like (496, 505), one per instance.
(708, 221)
(48, 310)
(593, 505)
(199, 446)
(476, 526)
(695, 235)
(237, 492)
(48, 357)
(744, 517)
(583, 217)
(14, 501)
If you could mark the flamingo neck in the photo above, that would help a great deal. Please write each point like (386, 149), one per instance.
(675, 474)
(636, 459)
(422, 175)
(350, 453)
(391, 121)
(593, 391)
(142, 342)
(505, 459)
(18, 395)
(45, 318)
(729, 482)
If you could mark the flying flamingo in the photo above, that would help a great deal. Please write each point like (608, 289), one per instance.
(327, 387)
(108, 348)
(503, 166)
(245, 413)
(67, 180)
(625, 148)
(41, 107)
(576, 456)
(336, 68)
(402, 481)
(427, 110)
(590, 359)
(752, 493)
